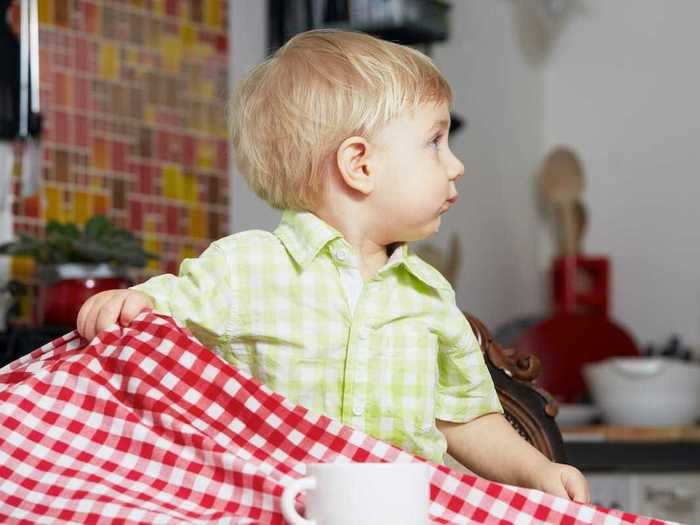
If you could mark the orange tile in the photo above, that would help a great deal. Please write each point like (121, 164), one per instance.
(100, 153)
(198, 223)
(100, 204)
(46, 14)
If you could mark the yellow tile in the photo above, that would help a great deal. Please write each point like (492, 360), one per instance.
(109, 61)
(149, 114)
(213, 13)
(173, 182)
(187, 252)
(46, 12)
(198, 228)
(150, 244)
(171, 53)
(136, 3)
(82, 204)
(205, 155)
(206, 89)
(188, 36)
(69, 209)
(22, 268)
(149, 224)
(159, 7)
(132, 57)
(54, 203)
(190, 193)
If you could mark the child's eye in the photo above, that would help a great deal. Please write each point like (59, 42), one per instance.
(436, 140)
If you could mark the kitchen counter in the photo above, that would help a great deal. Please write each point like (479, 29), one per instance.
(633, 449)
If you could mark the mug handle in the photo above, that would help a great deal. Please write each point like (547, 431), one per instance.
(288, 496)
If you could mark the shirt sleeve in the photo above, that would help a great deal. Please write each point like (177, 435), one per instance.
(465, 389)
(199, 297)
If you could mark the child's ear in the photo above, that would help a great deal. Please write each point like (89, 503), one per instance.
(353, 164)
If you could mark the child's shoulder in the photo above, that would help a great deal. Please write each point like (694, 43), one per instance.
(249, 241)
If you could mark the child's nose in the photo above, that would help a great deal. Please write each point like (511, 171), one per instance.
(456, 169)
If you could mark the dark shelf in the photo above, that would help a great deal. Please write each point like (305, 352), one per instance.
(665, 456)
(406, 34)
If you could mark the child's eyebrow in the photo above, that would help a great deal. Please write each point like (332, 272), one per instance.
(440, 124)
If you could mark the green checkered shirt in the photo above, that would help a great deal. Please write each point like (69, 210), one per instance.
(388, 356)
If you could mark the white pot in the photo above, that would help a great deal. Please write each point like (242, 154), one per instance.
(645, 391)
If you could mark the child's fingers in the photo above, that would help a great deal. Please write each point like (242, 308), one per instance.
(577, 488)
(134, 304)
(89, 312)
(109, 312)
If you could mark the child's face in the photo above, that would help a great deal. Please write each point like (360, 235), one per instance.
(415, 182)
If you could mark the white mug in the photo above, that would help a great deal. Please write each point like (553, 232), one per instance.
(361, 494)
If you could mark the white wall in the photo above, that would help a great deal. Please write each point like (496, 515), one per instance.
(500, 93)
(248, 41)
(622, 87)
(499, 88)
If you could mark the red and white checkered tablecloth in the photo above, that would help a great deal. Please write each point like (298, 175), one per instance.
(145, 425)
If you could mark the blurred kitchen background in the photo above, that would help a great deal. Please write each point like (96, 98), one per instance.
(577, 236)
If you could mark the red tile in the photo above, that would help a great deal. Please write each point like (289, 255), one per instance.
(222, 155)
(59, 86)
(172, 218)
(119, 161)
(82, 131)
(188, 150)
(172, 7)
(221, 44)
(135, 215)
(91, 17)
(62, 132)
(162, 138)
(82, 54)
(82, 93)
(144, 178)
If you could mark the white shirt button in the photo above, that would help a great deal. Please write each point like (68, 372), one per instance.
(358, 407)
(341, 255)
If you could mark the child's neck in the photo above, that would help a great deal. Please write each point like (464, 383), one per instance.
(371, 254)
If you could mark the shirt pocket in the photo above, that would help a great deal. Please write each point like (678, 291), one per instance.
(408, 374)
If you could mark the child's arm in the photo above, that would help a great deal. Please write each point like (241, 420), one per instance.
(200, 297)
(490, 447)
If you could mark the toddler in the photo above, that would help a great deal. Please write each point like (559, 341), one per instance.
(348, 135)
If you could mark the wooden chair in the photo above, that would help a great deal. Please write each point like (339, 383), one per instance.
(528, 408)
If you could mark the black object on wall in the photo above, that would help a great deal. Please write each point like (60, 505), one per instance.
(10, 79)
(417, 23)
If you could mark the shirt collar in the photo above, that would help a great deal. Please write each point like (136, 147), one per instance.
(304, 235)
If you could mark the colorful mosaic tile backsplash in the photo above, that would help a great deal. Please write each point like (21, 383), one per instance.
(133, 96)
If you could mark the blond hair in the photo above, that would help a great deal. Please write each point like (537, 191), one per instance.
(295, 109)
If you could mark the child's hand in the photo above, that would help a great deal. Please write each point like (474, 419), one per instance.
(562, 480)
(106, 308)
